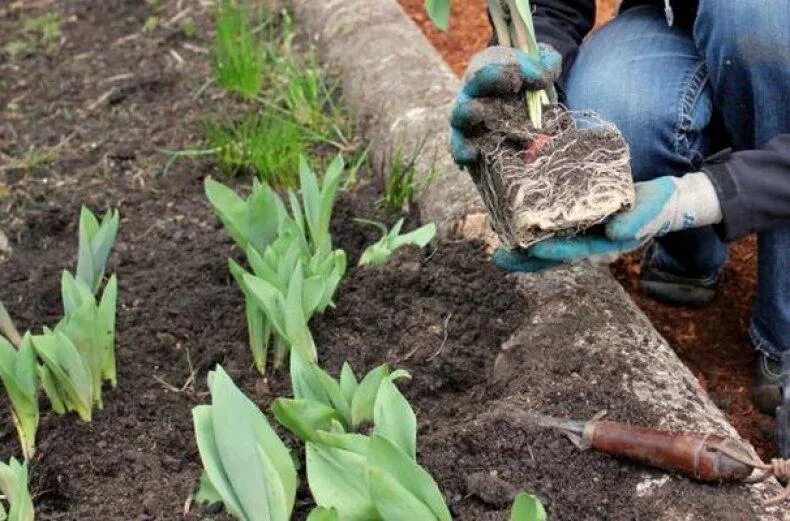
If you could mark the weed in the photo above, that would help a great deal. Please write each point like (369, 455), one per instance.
(399, 184)
(237, 54)
(45, 28)
(266, 144)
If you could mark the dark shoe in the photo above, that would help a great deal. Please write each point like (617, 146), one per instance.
(675, 289)
(766, 394)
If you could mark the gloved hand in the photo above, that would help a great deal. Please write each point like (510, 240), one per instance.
(663, 205)
(495, 72)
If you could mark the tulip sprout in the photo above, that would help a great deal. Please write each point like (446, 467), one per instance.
(14, 486)
(380, 252)
(295, 270)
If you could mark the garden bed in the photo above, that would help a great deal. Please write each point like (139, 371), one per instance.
(119, 95)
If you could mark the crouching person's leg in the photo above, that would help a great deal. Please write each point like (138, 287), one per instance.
(746, 46)
(649, 80)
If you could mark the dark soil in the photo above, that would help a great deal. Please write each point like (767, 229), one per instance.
(711, 341)
(441, 313)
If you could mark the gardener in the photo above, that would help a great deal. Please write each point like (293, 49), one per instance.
(681, 81)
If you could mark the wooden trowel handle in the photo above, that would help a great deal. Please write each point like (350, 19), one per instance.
(687, 453)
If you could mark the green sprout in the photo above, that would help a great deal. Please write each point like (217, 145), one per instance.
(14, 486)
(246, 466)
(527, 507)
(95, 241)
(18, 373)
(381, 251)
(295, 270)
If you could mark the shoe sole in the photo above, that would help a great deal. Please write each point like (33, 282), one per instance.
(677, 294)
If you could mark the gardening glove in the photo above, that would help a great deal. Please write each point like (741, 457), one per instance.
(521, 261)
(495, 72)
(663, 205)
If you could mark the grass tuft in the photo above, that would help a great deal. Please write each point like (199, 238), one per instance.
(237, 54)
(266, 144)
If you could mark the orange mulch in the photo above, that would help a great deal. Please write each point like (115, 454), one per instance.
(711, 341)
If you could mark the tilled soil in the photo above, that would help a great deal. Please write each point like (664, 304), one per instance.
(119, 95)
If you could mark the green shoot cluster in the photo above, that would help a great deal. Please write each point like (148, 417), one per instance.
(352, 476)
(73, 359)
(294, 268)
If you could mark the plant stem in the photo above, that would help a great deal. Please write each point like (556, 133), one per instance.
(7, 327)
(524, 32)
(500, 24)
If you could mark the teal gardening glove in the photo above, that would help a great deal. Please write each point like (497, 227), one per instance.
(663, 205)
(495, 72)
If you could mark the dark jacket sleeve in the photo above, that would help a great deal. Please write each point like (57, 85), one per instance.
(753, 188)
(563, 24)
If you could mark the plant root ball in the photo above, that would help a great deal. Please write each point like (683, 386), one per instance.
(561, 179)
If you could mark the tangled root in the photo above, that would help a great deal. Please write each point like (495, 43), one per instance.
(579, 176)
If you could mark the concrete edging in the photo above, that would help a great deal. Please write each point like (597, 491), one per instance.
(401, 90)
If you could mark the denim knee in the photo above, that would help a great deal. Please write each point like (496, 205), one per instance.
(648, 80)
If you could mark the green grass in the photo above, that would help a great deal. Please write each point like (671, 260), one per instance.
(265, 144)
(237, 54)
(46, 28)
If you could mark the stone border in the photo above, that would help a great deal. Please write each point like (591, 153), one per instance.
(401, 90)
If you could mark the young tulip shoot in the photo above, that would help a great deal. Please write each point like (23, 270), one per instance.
(381, 251)
(18, 373)
(95, 241)
(527, 507)
(245, 464)
(295, 271)
(14, 486)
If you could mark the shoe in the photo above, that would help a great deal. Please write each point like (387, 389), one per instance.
(766, 394)
(670, 288)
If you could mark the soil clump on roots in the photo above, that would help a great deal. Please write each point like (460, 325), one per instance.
(563, 178)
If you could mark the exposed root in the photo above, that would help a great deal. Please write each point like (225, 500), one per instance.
(578, 176)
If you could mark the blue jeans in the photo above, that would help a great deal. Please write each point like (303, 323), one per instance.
(680, 94)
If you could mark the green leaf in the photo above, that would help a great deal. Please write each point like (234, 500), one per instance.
(394, 419)
(231, 210)
(105, 329)
(323, 514)
(393, 501)
(310, 382)
(296, 330)
(67, 371)
(14, 486)
(348, 382)
(263, 216)
(379, 252)
(73, 292)
(88, 227)
(419, 237)
(527, 507)
(95, 242)
(329, 188)
(365, 396)
(304, 417)
(439, 12)
(18, 373)
(213, 468)
(348, 441)
(251, 453)
(337, 478)
(269, 299)
(206, 493)
(7, 326)
(387, 464)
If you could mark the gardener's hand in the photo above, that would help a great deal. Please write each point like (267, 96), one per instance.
(495, 72)
(663, 205)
